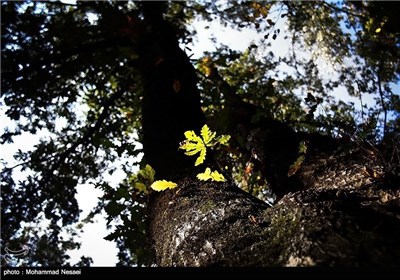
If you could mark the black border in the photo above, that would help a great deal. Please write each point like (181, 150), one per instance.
(212, 272)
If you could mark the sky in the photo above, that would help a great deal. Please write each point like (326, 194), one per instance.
(104, 253)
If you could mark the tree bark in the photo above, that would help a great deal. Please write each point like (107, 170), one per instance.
(214, 224)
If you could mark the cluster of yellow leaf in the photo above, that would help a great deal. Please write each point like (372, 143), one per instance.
(194, 144)
(214, 176)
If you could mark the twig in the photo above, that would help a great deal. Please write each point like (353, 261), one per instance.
(382, 99)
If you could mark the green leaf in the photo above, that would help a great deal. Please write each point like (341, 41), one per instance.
(223, 139)
(140, 187)
(147, 173)
(122, 192)
(114, 209)
(112, 236)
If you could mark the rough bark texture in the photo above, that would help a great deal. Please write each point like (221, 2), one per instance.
(211, 224)
(338, 171)
(337, 215)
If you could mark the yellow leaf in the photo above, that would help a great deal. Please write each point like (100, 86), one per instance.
(378, 30)
(206, 59)
(208, 71)
(201, 157)
(162, 185)
(223, 140)
(207, 135)
(192, 148)
(255, 5)
(264, 11)
(206, 66)
(193, 145)
(216, 176)
(191, 135)
(204, 176)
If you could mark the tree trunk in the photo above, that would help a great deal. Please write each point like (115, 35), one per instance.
(171, 102)
(336, 215)
(208, 224)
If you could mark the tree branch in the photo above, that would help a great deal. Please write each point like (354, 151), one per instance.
(343, 10)
(87, 136)
(381, 95)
